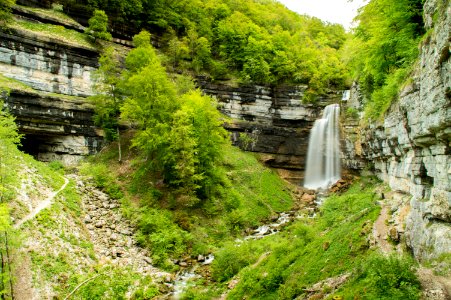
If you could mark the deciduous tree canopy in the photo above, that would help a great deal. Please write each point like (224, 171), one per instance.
(256, 41)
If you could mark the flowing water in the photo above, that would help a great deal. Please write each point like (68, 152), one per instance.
(323, 157)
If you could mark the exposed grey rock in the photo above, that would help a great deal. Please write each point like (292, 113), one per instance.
(87, 219)
(274, 118)
(46, 64)
(410, 150)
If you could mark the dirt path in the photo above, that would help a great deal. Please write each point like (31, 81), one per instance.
(42, 205)
(23, 287)
(380, 231)
(434, 287)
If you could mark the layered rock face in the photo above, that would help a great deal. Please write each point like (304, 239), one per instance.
(56, 122)
(47, 65)
(270, 121)
(411, 150)
(54, 128)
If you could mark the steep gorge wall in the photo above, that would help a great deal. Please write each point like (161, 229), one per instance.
(54, 128)
(46, 64)
(53, 114)
(411, 150)
(274, 118)
(271, 121)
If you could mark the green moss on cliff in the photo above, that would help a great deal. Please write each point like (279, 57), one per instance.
(54, 33)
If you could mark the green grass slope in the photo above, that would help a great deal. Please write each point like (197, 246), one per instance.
(327, 257)
(169, 224)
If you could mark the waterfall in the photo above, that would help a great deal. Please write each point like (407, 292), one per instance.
(323, 158)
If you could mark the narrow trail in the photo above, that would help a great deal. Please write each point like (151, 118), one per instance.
(380, 231)
(42, 205)
(433, 287)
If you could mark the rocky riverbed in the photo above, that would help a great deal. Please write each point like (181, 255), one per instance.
(111, 233)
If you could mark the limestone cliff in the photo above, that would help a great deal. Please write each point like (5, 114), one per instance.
(46, 64)
(271, 121)
(411, 149)
(273, 118)
(54, 127)
(51, 110)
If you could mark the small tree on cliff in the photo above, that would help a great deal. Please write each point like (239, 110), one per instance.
(98, 26)
(108, 100)
(5, 11)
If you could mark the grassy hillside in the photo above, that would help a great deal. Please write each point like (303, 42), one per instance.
(327, 257)
(53, 253)
(172, 226)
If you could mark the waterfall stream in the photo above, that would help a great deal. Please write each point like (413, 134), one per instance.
(323, 156)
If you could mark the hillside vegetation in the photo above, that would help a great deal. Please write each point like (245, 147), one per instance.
(382, 50)
(332, 250)
(253, 41)
(171, 224)
(170, 165)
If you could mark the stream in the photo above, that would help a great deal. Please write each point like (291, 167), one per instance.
(186, 277)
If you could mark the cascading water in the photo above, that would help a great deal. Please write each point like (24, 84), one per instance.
(323, 158)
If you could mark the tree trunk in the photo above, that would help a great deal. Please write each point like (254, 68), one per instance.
(119, 144)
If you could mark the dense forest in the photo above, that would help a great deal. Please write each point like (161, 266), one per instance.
(254, 41)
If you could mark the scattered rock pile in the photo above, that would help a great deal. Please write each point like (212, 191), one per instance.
(112, 234)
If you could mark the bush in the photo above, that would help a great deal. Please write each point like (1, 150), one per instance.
(56, 165)
(390, 277)
(114, 283)
(103, 179)
(98, 26)
(352, 113)
(231, 259)
(159, 233)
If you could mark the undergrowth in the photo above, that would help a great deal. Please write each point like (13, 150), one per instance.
(334, 243)
(169, 225)
(57, 32)
(55, 13)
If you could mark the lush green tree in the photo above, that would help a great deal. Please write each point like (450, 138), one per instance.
(98, 26)
(202, 54)
(181, 137)
(196, 139)
(255, 67)
(9, 138)
(177, 51)
(5, 11)
(384, 46)
(109, 97)
(232, 35)
(150, 103)
(214, 36)
(8, 128)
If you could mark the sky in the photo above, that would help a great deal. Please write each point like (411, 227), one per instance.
(335, 11)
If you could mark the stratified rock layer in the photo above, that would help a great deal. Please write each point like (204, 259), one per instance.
(411, 149)
(272, 121)
(46, 64)
(52, 114)
(54, 127)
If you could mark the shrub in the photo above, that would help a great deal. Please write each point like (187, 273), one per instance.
(159, 233)
(231, 259)
(103, 179)
(391, 277)
(98, 26)
(56, 165)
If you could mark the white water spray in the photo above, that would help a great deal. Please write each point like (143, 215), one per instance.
(323, 158)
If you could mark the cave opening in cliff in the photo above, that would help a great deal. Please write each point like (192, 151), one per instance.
(31, 144)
